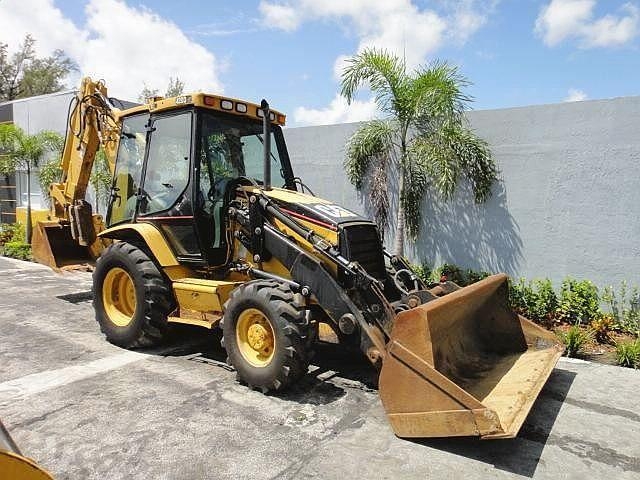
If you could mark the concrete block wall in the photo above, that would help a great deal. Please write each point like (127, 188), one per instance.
(568, 200)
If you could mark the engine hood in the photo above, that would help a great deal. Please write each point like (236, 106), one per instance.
(314, 209)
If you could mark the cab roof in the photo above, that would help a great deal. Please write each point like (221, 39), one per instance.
(208, 101)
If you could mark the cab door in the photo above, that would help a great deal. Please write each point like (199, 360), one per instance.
(165, 197)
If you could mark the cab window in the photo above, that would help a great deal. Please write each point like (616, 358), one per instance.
(167, 172)
(128, 169)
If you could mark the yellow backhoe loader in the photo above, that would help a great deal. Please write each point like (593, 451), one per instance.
(196, 233)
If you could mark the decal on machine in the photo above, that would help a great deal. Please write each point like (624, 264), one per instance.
(333, 211)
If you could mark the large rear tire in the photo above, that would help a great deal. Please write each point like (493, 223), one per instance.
(266, 335)
(131, 297)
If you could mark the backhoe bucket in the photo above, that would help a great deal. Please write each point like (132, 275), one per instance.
(465, 365)
(53, 245)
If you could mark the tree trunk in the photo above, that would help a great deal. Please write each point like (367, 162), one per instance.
(398, 243)
(29, 226)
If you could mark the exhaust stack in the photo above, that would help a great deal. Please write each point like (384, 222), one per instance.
(266, 134)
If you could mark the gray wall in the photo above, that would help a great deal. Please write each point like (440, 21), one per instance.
(46, 112)
(568, 201)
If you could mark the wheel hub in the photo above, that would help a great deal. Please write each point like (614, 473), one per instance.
(256, 340)
(119, 296)
(259, 338)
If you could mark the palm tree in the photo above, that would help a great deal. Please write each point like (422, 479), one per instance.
(21, 151)
(424, 138)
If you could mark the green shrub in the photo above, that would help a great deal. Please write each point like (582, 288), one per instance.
(19, 250)
(601, 328)
(474, 276)
(11, 232)
(535, 299)
(628, 354)
(624, 306)
(579, 301)
(546, 302)
(423, 271)
(453, 273)
(574, 339)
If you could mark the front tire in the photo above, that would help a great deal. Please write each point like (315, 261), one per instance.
(265, 332)
(131, 297)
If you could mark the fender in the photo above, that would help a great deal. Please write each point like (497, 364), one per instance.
(150, 235)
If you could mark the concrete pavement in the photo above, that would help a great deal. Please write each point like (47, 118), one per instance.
(85, 409)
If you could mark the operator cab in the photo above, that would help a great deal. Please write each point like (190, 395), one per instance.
(178, 170)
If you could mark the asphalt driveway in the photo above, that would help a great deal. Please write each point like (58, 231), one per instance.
(85, 409)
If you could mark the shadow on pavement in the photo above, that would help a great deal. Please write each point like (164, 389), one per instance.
(521, 454)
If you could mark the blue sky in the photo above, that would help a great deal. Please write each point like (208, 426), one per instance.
(515, 52)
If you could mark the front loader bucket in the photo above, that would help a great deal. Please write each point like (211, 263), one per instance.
(465, 365)
(53, 245)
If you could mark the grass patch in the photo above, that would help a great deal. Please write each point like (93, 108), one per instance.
(628, 354)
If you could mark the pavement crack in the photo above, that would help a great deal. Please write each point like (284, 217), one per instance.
(595, 452)
(594, 407)
(43, 417)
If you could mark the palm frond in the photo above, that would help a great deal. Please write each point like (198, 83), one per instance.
(384, 73)
(435, 154)
(415, 184)
(452, 152)
(374, 139)
(21, 150)
(476, 163)
(370, 151)
(437, 92)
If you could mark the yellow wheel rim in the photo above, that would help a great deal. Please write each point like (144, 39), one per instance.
(255, 337)
(119, 297)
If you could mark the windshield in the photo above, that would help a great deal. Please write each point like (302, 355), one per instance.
(231, 148)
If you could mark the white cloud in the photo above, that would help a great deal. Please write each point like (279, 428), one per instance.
(562, 20)
(400, 26)
(339, 65)
(396, 25)
(575, 95)
(338, 111)
(279, 16)
(126, 46)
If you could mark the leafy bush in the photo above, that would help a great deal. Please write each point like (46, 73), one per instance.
(19, 250)
(11, 232)
(448, 271)
(601, 328)
(423, 271)
(579, 301)
(624, 306)
(535, 299)
(574, 339)
(628, 354)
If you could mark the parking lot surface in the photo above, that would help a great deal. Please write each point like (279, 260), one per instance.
(85, 409)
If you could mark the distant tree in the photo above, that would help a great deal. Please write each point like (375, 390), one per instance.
(425, 138)
(23, 74)
(20, 151)
(174, 88)
(51, 172)
(147, 93)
